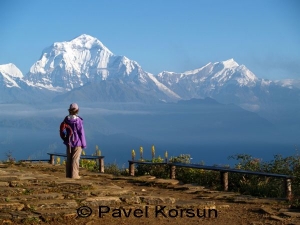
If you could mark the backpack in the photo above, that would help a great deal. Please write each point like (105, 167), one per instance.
(65, 131)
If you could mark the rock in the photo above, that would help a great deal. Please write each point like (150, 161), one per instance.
(131, 199)
(276, 218)
(48, 215)
(111, 191)
(39, 197)
(254, 200)
(11, 206)
(191, 187)
(166, 181)
(4, 184)
(291, 214)
(4, 216)
(3, 165)
(3, 172)
(20, 215)
(8, 191)
(52, 204)
(223, 206)
(153, 200)
(196, 204)
(97, 201)
(8, 178)
(267, 210)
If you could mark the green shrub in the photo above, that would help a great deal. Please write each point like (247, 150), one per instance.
(88, 164)
(114, 169)
(238, 182)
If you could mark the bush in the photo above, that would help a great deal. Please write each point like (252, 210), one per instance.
(114, 169)
(88, 164)
(243, 183)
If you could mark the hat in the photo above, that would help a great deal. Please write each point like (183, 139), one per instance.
(73, 106)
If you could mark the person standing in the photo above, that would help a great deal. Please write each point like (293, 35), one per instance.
(75, 143)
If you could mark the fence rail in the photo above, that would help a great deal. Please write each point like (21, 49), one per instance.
(223, 173)
(99, 158)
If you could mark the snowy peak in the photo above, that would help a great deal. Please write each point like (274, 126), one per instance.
(9, 75)
(209, 80)
(11, 70)
(84, 59)
(88, 42)
(230, 71)
(230, 63)
(73, 56)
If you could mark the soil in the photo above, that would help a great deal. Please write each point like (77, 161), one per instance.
(130, 200)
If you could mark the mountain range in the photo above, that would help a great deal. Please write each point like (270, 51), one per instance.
(84, 70)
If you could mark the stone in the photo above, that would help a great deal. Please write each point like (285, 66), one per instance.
(3, 172)
(4, 184)
(166, 181)
(8, 191)
(131, 199)
(223, 206)
(4, 216)
(291, 214)
(97, 201)
(19, 215)
(267, 210)
(111, 191)
(52, 204)
(250, 199)
(11, 206)
(196, 204)
(153, 200)
(39, 197)
(277, 218)
(48, 215)
(8, 178)
(2, 165)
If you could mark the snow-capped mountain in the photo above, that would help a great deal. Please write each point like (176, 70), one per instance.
(14, 89)
(83, 69)
(209, 79)
(68, 65)
(229, 82)
(9, 75)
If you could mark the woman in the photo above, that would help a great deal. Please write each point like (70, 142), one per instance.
(76, 142)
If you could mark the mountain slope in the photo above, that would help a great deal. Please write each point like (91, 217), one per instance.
(9, 75)
(229, 82)
(68, 65)
(14, 89)
(83, 69)
(208, 80)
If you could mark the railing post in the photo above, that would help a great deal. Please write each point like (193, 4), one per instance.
(288, 188)
(101, 165)
(131, 168)
(52, 159)
(224, 180)
(172, 172)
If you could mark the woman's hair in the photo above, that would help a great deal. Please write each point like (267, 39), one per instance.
(73, 111)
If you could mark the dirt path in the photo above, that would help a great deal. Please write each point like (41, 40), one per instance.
(40, 194)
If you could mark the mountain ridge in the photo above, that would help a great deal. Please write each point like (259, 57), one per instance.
(66, 70)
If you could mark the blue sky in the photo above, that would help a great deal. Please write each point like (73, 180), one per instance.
(177, 35)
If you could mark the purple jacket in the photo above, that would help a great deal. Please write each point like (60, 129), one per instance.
(78, 137)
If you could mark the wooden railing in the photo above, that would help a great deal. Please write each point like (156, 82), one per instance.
(99, 158)
(223, 173)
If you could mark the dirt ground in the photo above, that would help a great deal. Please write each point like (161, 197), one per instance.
(184, 211)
